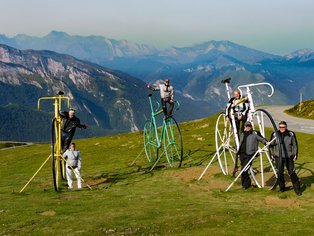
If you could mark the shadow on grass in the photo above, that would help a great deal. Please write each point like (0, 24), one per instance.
(126, 176)
(196, 157)
(137, 172)
(305, 181)
(308, 179)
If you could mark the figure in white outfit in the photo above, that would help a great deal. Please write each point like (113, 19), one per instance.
(166, 94)
(73, 159)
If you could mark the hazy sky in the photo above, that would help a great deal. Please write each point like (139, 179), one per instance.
(275, 26)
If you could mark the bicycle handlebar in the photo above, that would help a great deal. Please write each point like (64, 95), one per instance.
(53, 98)
(247, 86)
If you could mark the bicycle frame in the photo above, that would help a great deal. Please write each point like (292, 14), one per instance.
(259, 117)
(155, 113)
(153, 120)
(251, 103)
(223, 139)
(166, 137)
(235, 132)
(57, 107)
(56, 148)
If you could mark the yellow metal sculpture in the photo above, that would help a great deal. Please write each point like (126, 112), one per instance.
(58, 162)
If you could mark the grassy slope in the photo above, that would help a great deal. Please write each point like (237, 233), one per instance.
(307, 110)
(128, 200)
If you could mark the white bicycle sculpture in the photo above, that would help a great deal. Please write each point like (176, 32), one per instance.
(227, 139)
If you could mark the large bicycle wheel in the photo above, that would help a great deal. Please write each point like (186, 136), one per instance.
(225, 144)
(172, 140)
(54, 157)
(264, 169)
(150, 141)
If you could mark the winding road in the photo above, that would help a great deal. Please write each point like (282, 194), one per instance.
(294, 123)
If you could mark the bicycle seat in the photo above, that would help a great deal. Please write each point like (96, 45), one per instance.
(149, 95)
(226, 80)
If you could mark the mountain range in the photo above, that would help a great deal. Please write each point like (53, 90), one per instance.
(196, 70)
(108, 101)
(107, 98)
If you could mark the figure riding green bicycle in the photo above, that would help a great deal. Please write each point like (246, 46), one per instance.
(169, 140)
(166, 94)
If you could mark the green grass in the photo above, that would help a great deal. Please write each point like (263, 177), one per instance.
(307, 110)
(129, 200)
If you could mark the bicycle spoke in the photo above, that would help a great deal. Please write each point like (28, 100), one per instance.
(150, 141)
(172, 140)
(224, 143)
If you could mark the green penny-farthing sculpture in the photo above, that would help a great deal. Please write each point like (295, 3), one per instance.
(165, 141)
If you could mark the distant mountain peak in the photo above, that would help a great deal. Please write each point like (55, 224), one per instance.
(55, 33)
(217, 44)
(214, 50)
(222, 46)
(299, 53)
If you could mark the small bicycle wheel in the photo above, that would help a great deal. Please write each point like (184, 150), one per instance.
(264, 172)
(225, 144)
(172, 140)
(54, 157)
(150, 141)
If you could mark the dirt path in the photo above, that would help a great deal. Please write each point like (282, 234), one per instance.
(294, 123)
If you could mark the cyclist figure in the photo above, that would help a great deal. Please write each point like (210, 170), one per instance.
(68, 126)
(239, 107)
(167, 96)
(74, 160)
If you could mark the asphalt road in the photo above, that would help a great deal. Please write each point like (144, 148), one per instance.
(17, 146)
(294, 123)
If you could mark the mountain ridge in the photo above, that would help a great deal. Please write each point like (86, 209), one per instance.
(95, 91)
(109, 101)
(195, 71)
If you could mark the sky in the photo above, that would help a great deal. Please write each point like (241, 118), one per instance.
(273, 26)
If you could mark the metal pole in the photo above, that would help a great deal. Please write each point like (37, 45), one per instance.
(262, 169)
(201, 176)
(244, 169)
(155, 163)
(35, 174)
(247, 165)
(300, 105)
(137, 157)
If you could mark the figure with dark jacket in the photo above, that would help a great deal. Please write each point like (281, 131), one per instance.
(289, 153)
(68, 126)
(238, 107)
(249, 139)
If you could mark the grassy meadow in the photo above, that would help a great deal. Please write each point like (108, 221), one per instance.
(129, 200)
